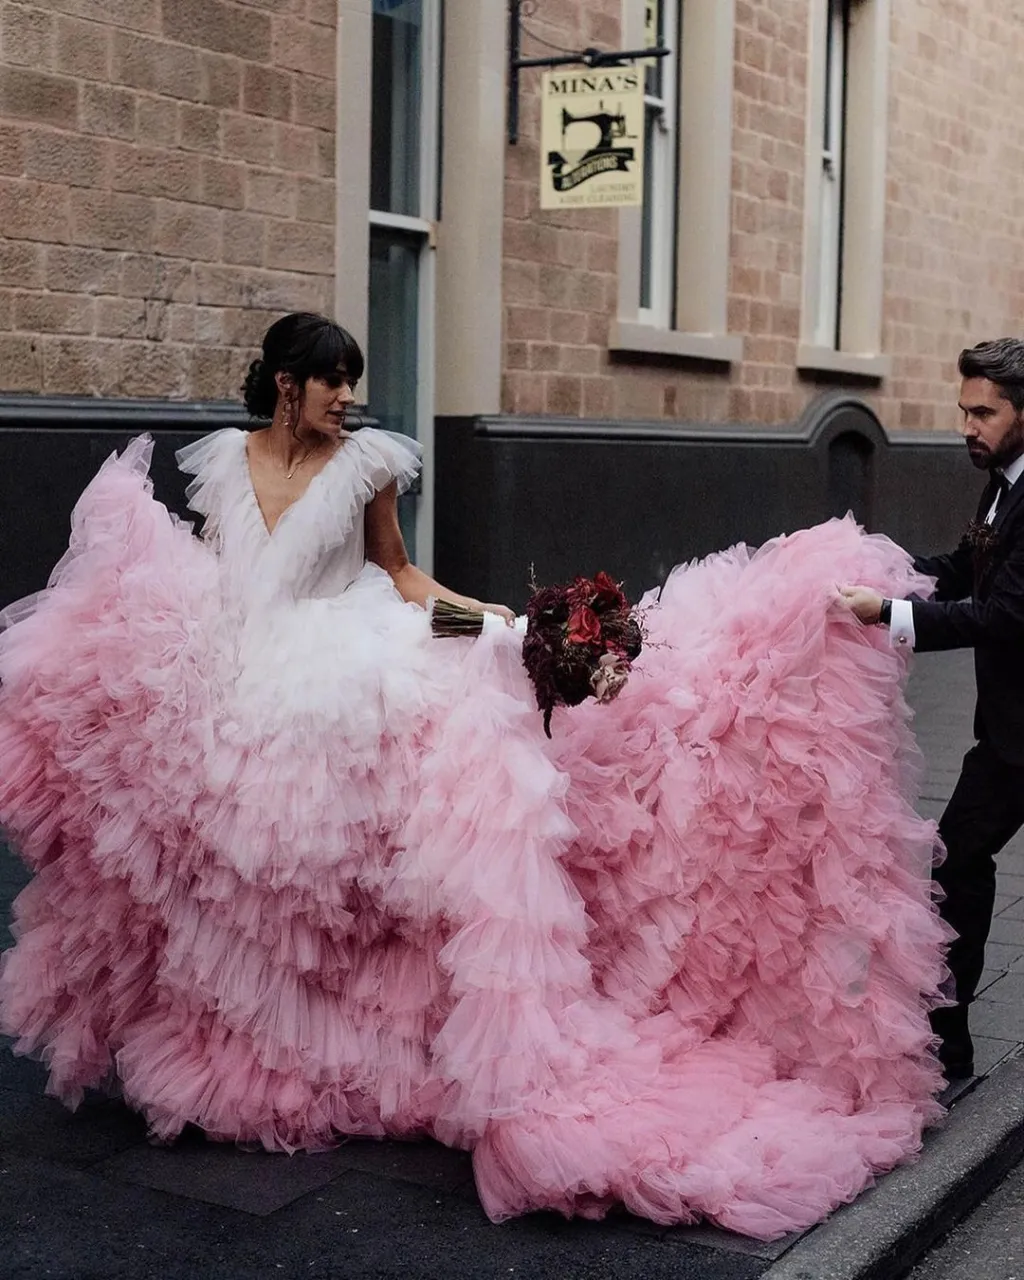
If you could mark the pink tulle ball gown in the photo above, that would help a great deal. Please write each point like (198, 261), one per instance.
(303, 870)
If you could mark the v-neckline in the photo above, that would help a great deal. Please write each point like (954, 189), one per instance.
(254, 496)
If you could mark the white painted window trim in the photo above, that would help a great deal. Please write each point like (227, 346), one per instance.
(421, 227)
(663, 161)
(647, 339)
(353, 107)
(812, 359)
(430, 108)
(401, 222)
(832, 135)
(859, 350)
(354, 218)
(470, 305)
(704, 74)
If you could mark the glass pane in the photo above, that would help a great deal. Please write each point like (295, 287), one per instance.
(651, 158)
(655, 74)
(397, 95)
(835, 71)
(393, 344)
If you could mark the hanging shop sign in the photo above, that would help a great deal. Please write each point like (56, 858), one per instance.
(592, 138)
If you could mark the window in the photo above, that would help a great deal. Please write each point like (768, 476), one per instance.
(657, 227)
(844, 217)
(674, 253)
(403, 210)
(833, 137)
(390, 280)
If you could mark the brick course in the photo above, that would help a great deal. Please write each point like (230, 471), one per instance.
(167, 185)
(954, 271)
(165, 188)
(954, 251)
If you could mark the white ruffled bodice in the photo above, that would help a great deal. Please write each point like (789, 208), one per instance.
(317, 549)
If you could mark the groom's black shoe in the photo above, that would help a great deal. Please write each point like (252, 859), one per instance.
(956, 1049)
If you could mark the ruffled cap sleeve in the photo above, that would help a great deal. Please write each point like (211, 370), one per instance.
(210, 461)
(387, 456)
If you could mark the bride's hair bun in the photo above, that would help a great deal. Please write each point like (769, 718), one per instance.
(259, 391)
(304, 345)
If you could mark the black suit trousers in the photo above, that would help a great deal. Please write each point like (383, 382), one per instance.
(984, 812)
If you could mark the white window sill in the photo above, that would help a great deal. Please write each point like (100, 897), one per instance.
(647, 339)
(825, 360)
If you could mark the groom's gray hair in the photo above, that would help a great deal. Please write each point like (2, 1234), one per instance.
(1002, 362)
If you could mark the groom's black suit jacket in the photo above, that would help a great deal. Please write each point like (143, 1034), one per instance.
(979, 603)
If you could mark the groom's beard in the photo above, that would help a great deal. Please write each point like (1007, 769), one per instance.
(1009, 449)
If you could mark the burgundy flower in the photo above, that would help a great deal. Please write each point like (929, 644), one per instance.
(583, 627)
(607, 593)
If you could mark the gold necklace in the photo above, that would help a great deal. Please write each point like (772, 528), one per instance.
(310, 449)
(288, 421)
(288, 474)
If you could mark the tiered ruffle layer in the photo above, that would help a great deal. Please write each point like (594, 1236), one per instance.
(304, 871)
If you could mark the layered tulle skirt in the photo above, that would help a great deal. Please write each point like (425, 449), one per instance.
(304, 871)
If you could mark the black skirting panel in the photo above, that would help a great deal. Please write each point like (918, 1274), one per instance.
(561, 497)
(51, 447)
(558, 497)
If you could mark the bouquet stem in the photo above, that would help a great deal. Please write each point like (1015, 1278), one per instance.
(448, 619)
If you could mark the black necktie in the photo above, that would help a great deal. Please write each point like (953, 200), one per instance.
(1000, 488)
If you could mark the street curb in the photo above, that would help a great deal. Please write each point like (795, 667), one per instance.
(883, 1233)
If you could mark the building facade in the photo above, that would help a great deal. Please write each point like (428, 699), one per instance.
(834, 207)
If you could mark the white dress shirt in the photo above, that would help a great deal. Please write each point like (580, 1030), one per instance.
(901, 626)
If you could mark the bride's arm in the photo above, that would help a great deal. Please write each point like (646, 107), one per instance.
(385, 546)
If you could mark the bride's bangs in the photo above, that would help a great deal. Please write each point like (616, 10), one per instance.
(334, 348)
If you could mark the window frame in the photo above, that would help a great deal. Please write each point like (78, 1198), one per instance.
(854, 345)
(695, 323)
(421, 228)
(827, 322)
(661, 173)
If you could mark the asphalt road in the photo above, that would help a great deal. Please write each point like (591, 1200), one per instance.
(988, 1245)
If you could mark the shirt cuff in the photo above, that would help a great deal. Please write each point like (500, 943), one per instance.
(901, 626)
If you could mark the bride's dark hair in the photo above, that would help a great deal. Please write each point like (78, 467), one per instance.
(305, 345)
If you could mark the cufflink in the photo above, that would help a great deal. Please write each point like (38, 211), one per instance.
(901, 639)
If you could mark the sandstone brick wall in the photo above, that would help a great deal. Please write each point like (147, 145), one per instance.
(954, 271)
(954, 260)
(769, 150)
(561, 268)
(166, 188)
(560, 278)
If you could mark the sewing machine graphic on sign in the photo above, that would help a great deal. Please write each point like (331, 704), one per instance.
(572, 166)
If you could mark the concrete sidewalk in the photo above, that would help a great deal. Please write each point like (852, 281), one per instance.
(84, 1195)
(883, 1233)
(942, 694)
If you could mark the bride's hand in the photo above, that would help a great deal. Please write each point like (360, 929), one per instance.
(503, 611)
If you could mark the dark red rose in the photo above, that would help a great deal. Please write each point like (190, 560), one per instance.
(579, 594)
(583, 626)
(607, 594)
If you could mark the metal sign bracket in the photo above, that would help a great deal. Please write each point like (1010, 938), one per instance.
(586, 57)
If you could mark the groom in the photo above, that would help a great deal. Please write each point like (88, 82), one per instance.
(979, 604)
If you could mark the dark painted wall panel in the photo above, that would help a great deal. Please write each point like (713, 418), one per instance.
(636, 499)
(42, 473)
(565, 497)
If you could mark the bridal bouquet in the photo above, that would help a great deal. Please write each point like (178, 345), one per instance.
(581, 640)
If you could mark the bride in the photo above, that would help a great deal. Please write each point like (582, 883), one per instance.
(305, 871)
